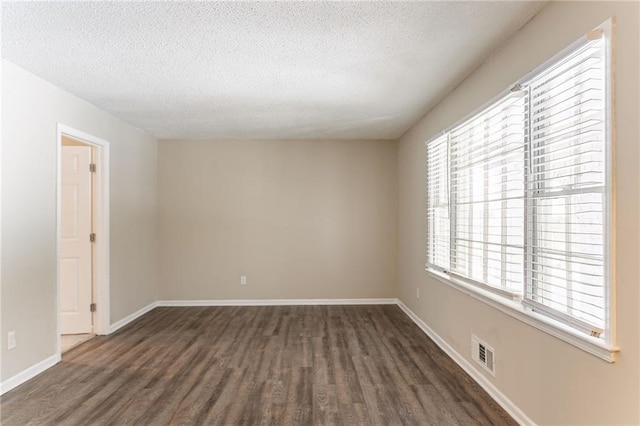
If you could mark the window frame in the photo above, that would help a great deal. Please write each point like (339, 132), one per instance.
(511, 303)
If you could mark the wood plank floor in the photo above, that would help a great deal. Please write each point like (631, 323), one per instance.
(280, 365)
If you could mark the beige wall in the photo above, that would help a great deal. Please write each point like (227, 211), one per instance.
(31, 109)
(299, 218)
(551, 381)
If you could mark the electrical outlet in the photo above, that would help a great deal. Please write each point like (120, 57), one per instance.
(11, 340)
(417, 293)
(243, 279)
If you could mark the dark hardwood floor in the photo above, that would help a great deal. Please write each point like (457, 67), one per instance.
(280, 365)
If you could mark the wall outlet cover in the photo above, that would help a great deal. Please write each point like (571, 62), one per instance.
(11, 340)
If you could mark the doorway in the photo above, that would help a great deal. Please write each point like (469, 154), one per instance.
(76, 238)
(82, 230)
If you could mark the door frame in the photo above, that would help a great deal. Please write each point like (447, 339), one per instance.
(100, 212)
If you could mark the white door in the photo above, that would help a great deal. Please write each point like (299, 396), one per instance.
(75, 246)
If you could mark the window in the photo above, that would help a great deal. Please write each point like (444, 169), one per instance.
(518, 195)
(566, 190)
(438, 204)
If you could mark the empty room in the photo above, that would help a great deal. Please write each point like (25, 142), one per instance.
(320, 213)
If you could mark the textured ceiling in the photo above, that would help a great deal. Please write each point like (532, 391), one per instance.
(259, 70)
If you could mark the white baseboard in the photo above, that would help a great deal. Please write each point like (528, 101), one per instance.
(508, 405)
(29, 373)
(278, 302)
(129, 318)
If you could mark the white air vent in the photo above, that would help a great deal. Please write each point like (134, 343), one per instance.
(483, 354)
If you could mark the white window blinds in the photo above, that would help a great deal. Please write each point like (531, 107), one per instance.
(566, 188)
(487, 196)
(438, 204)
(518, 195)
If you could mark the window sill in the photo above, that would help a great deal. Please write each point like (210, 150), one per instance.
(550, 326)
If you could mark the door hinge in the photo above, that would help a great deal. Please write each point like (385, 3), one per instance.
(92, 167)
(92, 237)
(92, 307)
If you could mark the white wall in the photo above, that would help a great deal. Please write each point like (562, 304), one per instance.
(31, 109)
(301, 219)
(551, 381)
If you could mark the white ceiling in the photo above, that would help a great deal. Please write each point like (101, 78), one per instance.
(259, 70)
